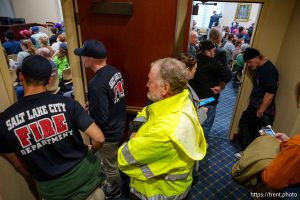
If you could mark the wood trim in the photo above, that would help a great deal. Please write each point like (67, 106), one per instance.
(68, 7)
(4, 72)
(133, 109)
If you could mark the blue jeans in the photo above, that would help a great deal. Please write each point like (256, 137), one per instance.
(210, 119)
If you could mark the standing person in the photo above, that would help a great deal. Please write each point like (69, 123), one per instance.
(193, 42)
(171, 134)
(10, 45)
(229, 48)
(214, 20)
(261, 109)
(42, 129)
(107, 106)
(210, 79)
(191, 66)
(215, 36)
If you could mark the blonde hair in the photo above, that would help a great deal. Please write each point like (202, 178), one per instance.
(44, 41)
(61, 38)
(29, 46)
(214, 35)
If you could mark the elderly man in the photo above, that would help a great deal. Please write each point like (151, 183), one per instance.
(42, 129)
(107, 106)
(160, 156)
(193, 42)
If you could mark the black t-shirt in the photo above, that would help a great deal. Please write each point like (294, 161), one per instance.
(107, 102)
(265, 80)
(43, 130)
(208, 75)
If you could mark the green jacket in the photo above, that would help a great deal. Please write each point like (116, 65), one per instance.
(61, 65)
(159, 160)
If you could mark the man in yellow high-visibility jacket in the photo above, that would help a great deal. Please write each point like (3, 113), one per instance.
(160, 156)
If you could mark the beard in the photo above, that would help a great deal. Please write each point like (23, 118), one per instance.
(154, 97)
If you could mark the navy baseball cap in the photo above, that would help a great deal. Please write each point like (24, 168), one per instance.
(35, 29)
(36, 67)
(92, 48)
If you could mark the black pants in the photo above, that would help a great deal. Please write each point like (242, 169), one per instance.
(250, 124)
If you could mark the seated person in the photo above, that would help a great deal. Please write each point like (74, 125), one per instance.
(46, 53)
(61, 59)
(10, 45)
(44, 43)
(36, 34)
(283, 171)
(60, 39)
(26, 34)
(27, 49)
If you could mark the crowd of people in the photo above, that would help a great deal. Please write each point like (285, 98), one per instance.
(219, 60)
(42, 129)
(36, 42)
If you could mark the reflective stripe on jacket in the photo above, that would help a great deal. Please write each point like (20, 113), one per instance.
(160, 158)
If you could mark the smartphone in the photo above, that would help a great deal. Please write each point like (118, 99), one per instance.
(203, 102)
(268, 130)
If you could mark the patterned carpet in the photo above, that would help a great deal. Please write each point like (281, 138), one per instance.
(214, 176)
(224, 112)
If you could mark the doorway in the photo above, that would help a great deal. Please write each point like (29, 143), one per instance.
(239, 19)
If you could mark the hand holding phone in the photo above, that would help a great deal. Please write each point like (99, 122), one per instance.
(203, 102)
(267, 130)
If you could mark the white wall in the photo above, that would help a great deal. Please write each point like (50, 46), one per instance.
(204, 13)
(6, 9)
(288, 115)
(229, 11)
(39, 11)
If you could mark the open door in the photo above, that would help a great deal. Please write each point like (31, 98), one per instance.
(135, 33)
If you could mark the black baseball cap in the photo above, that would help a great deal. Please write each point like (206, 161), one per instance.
(92, 48)
(250, 53)
(36, 67)
(206, 45)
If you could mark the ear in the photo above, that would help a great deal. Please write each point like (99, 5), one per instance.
(50, 80)
(21, 77)
(166, 91)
